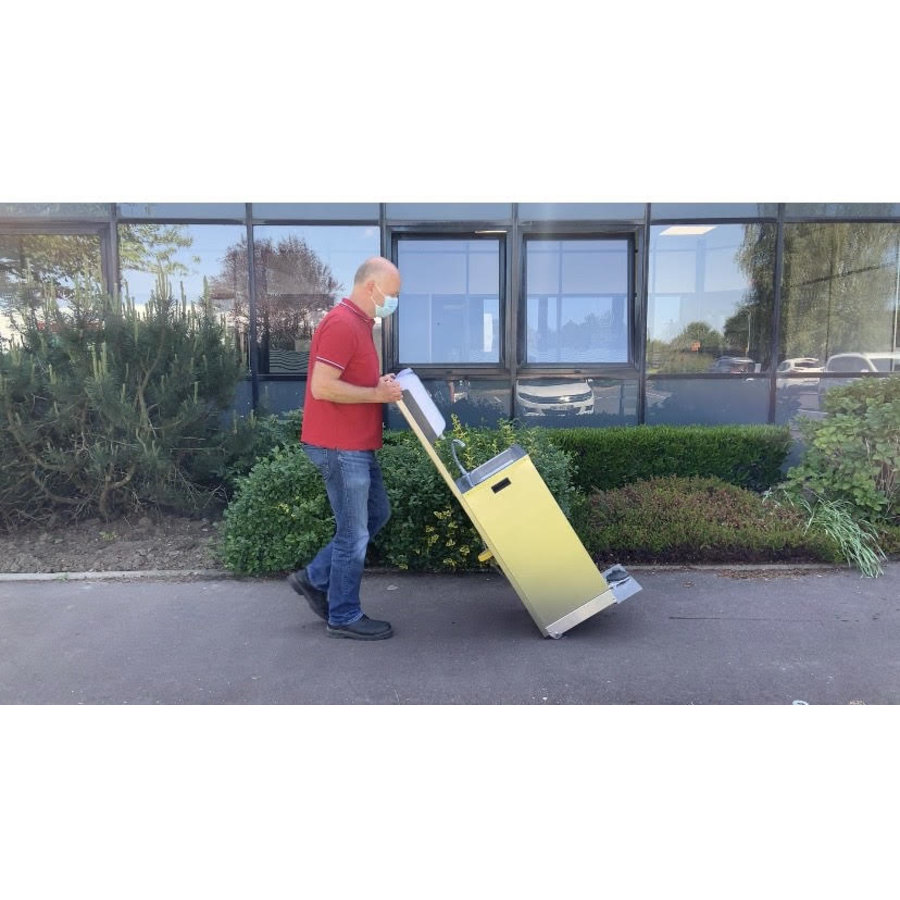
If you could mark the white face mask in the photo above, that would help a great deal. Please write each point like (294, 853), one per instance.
(389, 306)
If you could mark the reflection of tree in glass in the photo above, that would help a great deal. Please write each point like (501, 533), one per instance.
(748, 330)
(592, 331)
(294, 289)
(35, 265)
(148, 247)
(693, 350)
(840, 287)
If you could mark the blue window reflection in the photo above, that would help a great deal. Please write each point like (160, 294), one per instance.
(450, 301)
(577, 301)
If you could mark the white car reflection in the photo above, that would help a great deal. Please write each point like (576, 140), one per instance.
(858, 364)
(554, 397)
(798, 365)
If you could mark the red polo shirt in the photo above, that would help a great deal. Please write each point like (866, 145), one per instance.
(344, 340)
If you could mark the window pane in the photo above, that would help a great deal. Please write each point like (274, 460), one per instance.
(336, 211)
(713, 210)
(562, 212)
(842, 210)
(450, 301)
(182, 210)
(688, 401)
(301, 272)
(840, 294)
(457, 212)
(577, 301)
(710, 298)
(196, 263)
(54, 210)
(35, 266)
(570, 402)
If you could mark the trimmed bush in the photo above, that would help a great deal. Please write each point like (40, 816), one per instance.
(694, 520)
(279, 517)
(749, 456)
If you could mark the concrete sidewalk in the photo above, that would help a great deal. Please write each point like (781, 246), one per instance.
(725, 635)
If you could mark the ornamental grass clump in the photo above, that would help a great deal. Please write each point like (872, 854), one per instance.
(856, 538)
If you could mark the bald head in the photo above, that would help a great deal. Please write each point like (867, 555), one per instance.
(375, 279)
(374, 267)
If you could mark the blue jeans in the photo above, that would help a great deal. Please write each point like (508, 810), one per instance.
(360, 505)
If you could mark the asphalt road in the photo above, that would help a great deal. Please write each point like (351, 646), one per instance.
(692, 636)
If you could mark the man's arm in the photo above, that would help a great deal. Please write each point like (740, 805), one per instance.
(326, 384)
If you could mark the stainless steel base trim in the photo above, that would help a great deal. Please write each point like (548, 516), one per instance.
(570, 620)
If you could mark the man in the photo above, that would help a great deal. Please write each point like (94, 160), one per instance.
(342, 426)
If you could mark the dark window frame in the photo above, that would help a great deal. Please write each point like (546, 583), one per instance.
(768, 373)
(587, 232)
(487, 231)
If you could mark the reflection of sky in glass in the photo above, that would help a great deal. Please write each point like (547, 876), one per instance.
(694, 278)
(581, 284)
(205, 256)
(343, 248)
(449, 301)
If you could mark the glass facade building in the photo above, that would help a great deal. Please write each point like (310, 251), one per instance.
(557, 314)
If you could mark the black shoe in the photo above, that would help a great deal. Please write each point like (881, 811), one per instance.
(365, 629)
(317, 600)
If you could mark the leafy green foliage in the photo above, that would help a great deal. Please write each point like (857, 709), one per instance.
(692, 520)
(107, 408)
(254, 438)
(853, 453)
(280, 514)
(428, 529)
(279, 517)
(749, 456)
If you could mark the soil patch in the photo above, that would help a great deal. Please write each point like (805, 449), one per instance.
(132, 543)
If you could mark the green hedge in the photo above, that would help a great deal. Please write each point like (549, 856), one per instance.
(749, 456)
(280, 514)
(694, 520)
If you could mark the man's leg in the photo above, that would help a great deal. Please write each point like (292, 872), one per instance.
(360, 505)
(347, 483)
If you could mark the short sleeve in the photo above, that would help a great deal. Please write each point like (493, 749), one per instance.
(336, 344)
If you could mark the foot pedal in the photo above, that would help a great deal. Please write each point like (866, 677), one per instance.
(621, 583)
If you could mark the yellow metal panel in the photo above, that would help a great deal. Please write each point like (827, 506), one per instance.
(535, 546)
(531, 541)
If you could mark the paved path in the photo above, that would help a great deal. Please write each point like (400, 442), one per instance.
(691, 636)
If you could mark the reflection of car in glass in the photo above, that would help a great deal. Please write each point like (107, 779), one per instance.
(888, 361)
(446, 393)
(798, 365)
(733, 365)
(858, 363)
(554, 397)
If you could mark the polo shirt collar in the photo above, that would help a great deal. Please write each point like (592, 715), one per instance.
(356, 310)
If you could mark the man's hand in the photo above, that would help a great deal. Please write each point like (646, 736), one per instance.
(387, 390)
